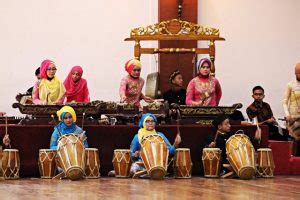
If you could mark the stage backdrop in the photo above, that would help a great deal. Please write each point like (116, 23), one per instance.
(87, 33)
(262, 47)
(262, 44)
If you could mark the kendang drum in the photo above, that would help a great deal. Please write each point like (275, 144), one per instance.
(265, 163)
(92, 166)
(182, 163)
(211, 159)
(11, 164)
(122, 163)
(47, 163)
(71, 156)
(155, 153)
(241, 155)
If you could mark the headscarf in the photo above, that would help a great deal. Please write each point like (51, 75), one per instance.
(61, 126)
(143, 132)
(43, 68)
(79, 88)
(201, 62)
(173, 75)
(130, 64)
(297, 68)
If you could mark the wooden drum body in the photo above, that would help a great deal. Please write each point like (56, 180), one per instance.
(71, 156)
(182, 163)
(11, 164)
(47, 163)
(241, 155)
(122, 163)
(92, 166)
(265, 163)
(211, 159)
(155, 153)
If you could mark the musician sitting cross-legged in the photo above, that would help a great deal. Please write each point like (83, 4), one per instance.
(147, 132)
(219, 140)
(67, 118)
(70, 142)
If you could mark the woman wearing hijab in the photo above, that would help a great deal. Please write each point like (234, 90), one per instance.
(76, 87)
(49, 90)
(131, 86)
(67, 118)
(147, 127)
(204, 90)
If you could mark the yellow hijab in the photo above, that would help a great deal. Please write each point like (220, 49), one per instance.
(66, 109)
(51, 91)
(143, 132)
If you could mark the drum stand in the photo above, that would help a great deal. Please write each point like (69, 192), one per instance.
(140, 173)
(59, 176)
(230, 174)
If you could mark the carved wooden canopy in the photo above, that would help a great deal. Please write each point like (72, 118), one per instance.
(175, 29)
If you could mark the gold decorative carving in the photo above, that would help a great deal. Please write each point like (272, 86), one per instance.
(175, 27)
(204, 111)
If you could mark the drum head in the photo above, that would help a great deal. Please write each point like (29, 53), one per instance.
(157, 173)
(211, 149)
(182, 149)
(264, 149)
(11, 150)
(122, 150)
(75, 173)
(91, 149)
(247, 173)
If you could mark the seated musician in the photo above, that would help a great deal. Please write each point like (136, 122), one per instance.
(76, 86)
(218, 140)
(5, 142)
(147, 127)
(67, 118)
(263, 112)
(50, 90)
(203, 90)
(177, 93)
(131, 85)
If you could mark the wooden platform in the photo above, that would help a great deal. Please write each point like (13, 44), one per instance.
(281, 187)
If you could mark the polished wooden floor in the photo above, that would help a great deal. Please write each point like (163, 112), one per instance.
(281, 187)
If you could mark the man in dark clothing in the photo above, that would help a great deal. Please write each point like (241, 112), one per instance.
(263, 112)
(176, 94)
(218, 140)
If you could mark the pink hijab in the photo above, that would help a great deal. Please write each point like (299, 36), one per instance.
(76, 91)
(43, 68)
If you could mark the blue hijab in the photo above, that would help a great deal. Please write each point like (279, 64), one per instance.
(63, 128)
(141, 122)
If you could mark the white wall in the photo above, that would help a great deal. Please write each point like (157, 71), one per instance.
(262, 46)
(88, 33)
